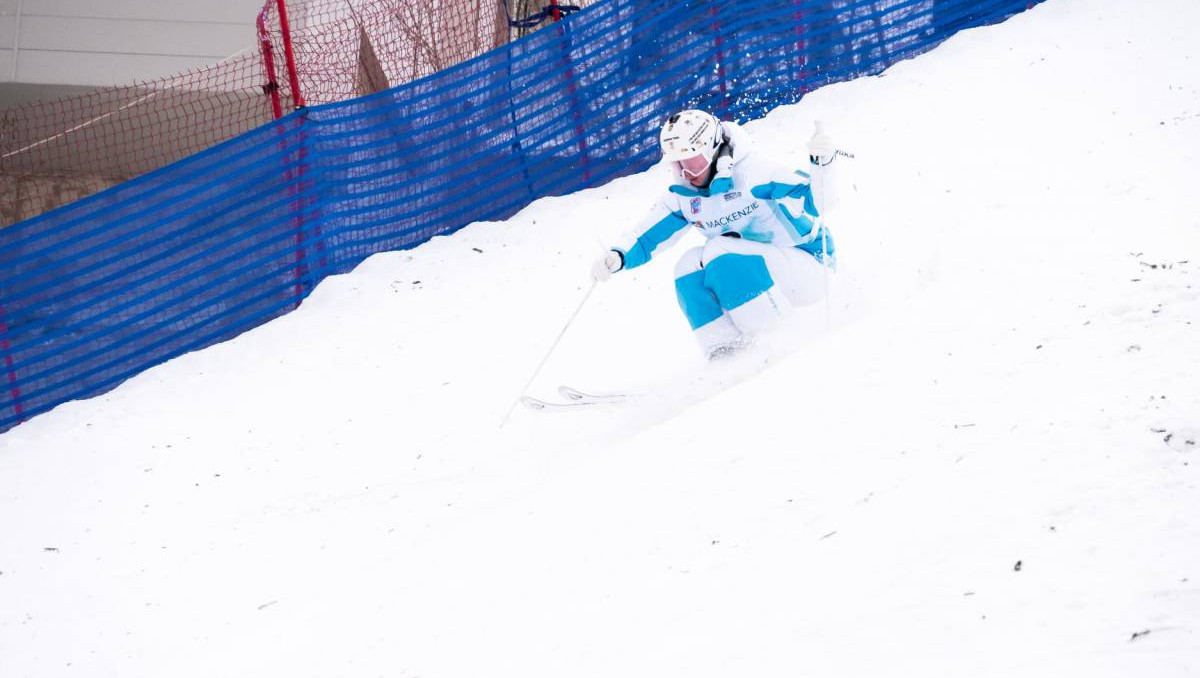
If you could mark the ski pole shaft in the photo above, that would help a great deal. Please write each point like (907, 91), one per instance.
(549, 352)
(825, 276)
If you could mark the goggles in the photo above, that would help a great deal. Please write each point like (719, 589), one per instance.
(693, 167)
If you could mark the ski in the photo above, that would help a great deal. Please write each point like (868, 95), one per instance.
(539, 405)
(575, 399)
(577, 396)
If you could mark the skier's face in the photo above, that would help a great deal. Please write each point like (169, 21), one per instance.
(694, 169)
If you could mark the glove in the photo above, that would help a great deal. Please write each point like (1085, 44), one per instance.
(606, 265)
(821, 151)
(722, 181)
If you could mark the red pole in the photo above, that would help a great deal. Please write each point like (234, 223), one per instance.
(296, 192)
(293, 78)
(272, 87)
(264, 41)
(555, 13)
(13, 389)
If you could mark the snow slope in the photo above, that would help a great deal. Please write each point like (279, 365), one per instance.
(987, 466)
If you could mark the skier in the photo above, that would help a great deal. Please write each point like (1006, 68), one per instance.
(766, 251)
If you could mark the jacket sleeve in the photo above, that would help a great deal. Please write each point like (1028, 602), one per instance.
(792, 193)
(659, 229)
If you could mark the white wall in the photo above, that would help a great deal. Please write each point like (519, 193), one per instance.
(116, 42)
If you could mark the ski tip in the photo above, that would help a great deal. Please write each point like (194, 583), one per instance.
(570, 393)
(532, 403)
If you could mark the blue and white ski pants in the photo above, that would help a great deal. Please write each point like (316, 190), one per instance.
(732, 288)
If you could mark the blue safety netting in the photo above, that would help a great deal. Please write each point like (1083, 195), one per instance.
(204, 249)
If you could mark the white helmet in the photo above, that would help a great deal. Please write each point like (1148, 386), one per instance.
(690, 133)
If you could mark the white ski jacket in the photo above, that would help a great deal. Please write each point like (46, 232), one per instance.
(763, 201)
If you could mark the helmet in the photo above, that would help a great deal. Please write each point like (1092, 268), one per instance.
(690, 133)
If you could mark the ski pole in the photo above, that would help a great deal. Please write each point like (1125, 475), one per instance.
(825, 272)
(820, 128)
(820, 197)
(538, 369)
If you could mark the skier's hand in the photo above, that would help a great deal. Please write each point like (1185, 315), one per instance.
(605, 266)
(821, 150)
(722, 181)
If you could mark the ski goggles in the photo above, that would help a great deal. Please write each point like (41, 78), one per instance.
(693, 167)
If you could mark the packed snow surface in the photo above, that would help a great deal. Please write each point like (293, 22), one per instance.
(981, 459)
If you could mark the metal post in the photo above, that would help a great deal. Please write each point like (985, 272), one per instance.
(296, 204)
(264, 42)
(286, 32)
(296, 192)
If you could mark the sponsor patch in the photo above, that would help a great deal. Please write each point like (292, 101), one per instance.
(733, 217)
(732, 195)
(695, 205)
